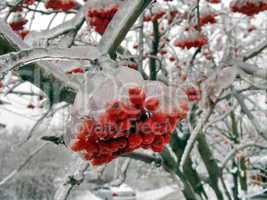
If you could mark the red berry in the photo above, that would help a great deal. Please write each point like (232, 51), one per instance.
(152, 104)
(148, 139)
(158, 144)
(134, 141)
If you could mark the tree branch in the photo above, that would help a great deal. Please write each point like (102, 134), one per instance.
(240, 148)
(75, 177)
(203, 119)
(121, 24)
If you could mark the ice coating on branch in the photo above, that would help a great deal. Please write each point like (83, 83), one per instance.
(104, 87)
(118, 112)
(39, 39)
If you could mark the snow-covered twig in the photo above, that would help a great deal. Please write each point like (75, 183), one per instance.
(254, 52)
(123, 169)
(75, 177)
(203, 119)
(240, 148)
(241, 100)
(16, 42)
(63, 28)
(23, 57)
(219, 118)
(251, 69)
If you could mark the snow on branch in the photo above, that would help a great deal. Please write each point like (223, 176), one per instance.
(63, 28)
(17, 43)
(75, 177)
(251, 69)
(240, 148)
(191, 141)
(13, 59)
(241, 100)
(254, 52)
(14, 40)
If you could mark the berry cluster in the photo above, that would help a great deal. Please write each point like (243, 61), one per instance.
(155, 16)
(191, 39)
(193, 94)
(101, 17)
(28, 2)
(23, 33)
(172, 15)
(125, 127)
(18, 25)
(76, 70)
(214, 1)
(64, 5)
(248, 7)
(207, 16)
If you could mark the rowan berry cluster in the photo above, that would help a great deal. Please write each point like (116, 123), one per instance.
(191, 39)
(248, 7)
(125, 127)
(207, 17)
(28, 2)
(64, 5)
(18, 25)
(193, 94)
(154, 16)
(101, 17)
(214, 1)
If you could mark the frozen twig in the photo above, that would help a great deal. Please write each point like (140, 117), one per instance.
(241, 100)
(63, 28)
(23, 57)
(240, 148)
(203, 119)
(254, 52)
(219, 118)
(75, 177)
(251, 69)
(16, 42)
(124, 168)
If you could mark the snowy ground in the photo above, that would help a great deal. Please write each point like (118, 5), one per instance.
(157, 194)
